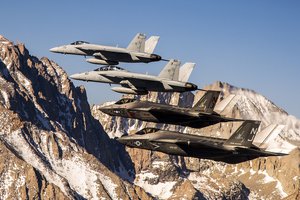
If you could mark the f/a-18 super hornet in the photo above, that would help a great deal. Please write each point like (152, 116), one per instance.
(139, 50)
(238, 148)
(202, 114)
(133, 83)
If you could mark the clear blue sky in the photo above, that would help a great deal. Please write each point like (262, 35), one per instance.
(252, 44)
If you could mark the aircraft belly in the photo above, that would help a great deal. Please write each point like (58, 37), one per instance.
(173, 117)
(169, 148)
(142, 115)
(116, 56)
(108, 79)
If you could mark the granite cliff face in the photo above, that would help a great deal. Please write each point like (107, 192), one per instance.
(55, 146)
(51, 146)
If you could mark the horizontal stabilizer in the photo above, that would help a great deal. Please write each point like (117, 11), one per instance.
(244, 135)
(207, 102)
(128, 84)
(171, 70)
(151, 43)
(167, 86)
(231, 100)
(185, 71)
(138, 43)
(267, 135)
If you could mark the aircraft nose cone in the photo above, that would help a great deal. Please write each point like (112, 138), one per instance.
(122, 140)
(54, 50)
(76, 76)
(104, 109)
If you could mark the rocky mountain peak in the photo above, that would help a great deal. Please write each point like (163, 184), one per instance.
(47, 128)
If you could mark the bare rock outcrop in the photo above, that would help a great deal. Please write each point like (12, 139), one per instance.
(51, 146)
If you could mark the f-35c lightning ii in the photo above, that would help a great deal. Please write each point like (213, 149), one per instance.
(139, 50)
(238, 148)
(140, 84)
(199, 116)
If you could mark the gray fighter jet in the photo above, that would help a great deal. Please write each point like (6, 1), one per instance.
(199, 116)
(140, 84)
(139, 50)
(238, 148)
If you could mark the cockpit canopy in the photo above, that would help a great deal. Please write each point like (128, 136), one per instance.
(146, 131)
(110, 68)
(125, 100)
(79, 42)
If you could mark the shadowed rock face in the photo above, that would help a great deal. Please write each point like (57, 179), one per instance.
(270, 178)
(51, 146)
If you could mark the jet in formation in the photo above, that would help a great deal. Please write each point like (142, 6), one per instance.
(241, 146)
(139, 50)
(202, 114)
(171, 79)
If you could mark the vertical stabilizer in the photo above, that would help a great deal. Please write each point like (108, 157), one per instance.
(151, 44)
(207, 102)
(185, 71)
(244, 135)
(171, 70)
(138, 43)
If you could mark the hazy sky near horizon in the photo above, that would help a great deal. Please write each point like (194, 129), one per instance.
(250, 44)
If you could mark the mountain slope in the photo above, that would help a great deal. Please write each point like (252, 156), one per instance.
(50, 138)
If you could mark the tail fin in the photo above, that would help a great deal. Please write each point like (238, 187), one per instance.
(207, 102)
(268, 134)
(138, 43)
(185, 71)
(171, 70)
(230, 100)
(244, 135)
(151, 44)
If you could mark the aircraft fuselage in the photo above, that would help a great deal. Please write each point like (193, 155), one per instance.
(191, 146)
(160, 113)
(141, 81)
(106, 53)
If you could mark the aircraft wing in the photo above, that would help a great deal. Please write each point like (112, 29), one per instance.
(167, 86)
(100, 49)
(258, 151)
(138, 83)
(165, 113)
(189, 143)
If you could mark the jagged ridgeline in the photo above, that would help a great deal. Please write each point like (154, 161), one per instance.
(51, 145)
(54, 146)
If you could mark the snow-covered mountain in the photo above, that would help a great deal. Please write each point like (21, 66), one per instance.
(51, 146)
(55, 146)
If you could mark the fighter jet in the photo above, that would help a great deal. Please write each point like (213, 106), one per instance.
(199, 116)
(139, 50)
(140, 84)
(238, 148)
